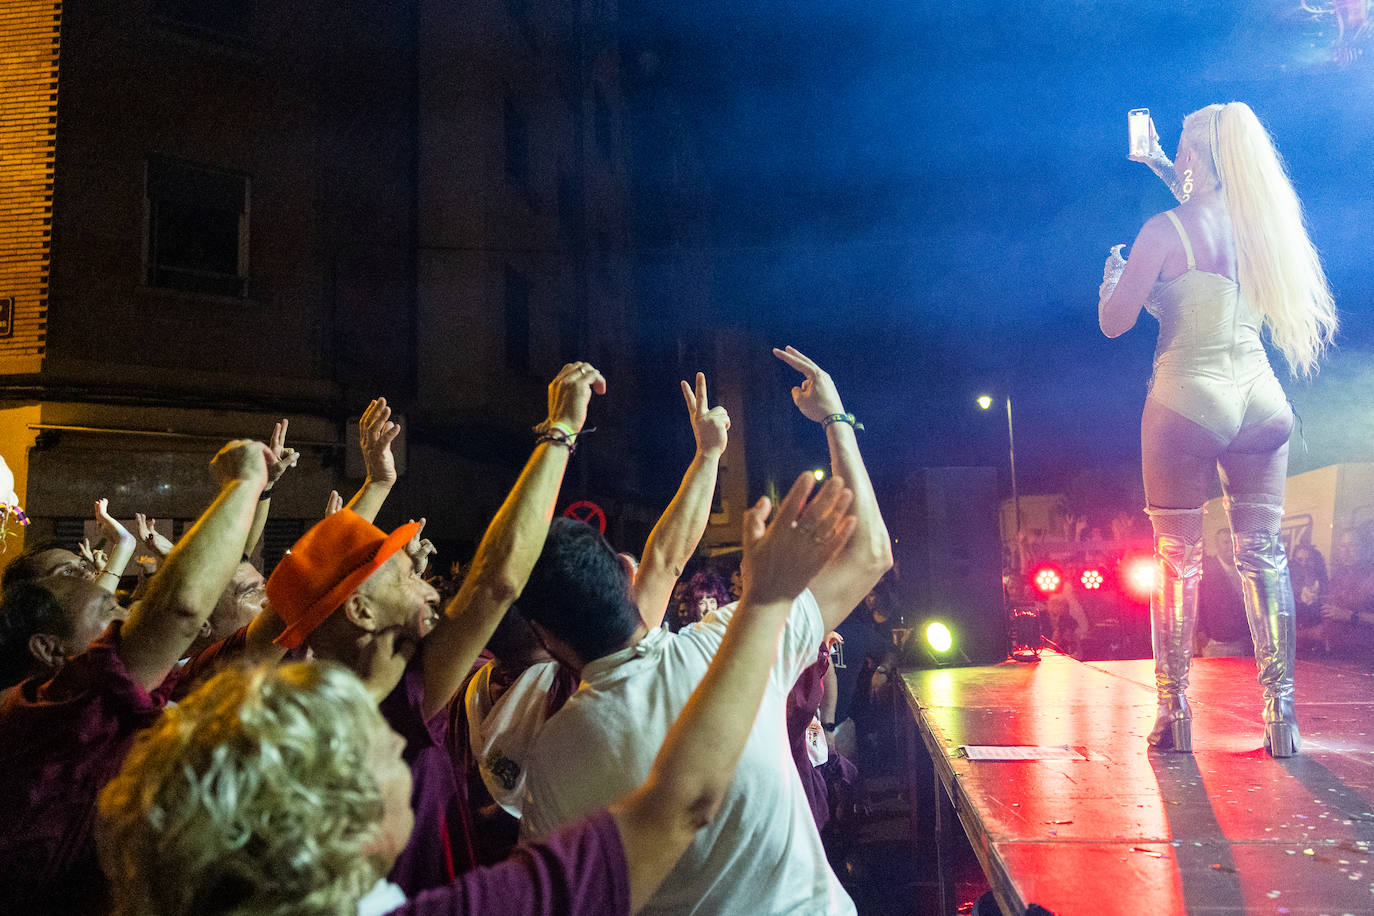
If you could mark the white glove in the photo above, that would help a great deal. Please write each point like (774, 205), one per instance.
(1111, 272)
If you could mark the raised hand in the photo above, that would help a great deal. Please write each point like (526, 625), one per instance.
(376, 432)
(782, 557)
(816, 397)
(241, 459)
(333, 504)
(148, 534)
(95, 559)
(420, 549)
(569, 394)
(1156, 151)
(111, 530)
(281, 458)
(710, 425)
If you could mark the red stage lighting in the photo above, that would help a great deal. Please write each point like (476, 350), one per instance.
(1091, 579)
(1139, 576)
(1047, 580)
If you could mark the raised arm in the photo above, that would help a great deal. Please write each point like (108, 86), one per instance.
(376, 432)
(696, 763)
(675, 537)
(195, 573)
(121, 547)
(512, 543)
(853, 573)
(1159, 163)
(281, 459)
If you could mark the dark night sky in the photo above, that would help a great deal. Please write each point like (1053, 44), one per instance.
(922, 195)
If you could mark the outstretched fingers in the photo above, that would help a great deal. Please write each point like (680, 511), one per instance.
(278, 439)
(797, 360)
(696, 399)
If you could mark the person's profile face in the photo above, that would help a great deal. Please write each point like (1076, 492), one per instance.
(400, 597)
(89, 608)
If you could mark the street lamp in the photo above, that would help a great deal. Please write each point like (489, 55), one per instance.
(985, 403)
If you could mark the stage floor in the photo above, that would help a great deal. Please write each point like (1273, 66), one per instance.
(1130, 831)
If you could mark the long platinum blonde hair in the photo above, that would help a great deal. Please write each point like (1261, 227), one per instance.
(1279, 271)
(251, 796)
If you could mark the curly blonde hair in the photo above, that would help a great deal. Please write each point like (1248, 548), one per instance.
(251, 796)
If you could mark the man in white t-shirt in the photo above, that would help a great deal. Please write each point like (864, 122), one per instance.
(762, 851)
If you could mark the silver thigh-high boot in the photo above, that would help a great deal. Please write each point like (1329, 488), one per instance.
(1173, 618)
(1263, 566)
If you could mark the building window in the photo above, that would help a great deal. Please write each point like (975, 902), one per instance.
(197, 228)
(517, 146)
(517, 320)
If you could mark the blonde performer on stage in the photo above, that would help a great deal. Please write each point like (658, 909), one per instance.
(1231, 262)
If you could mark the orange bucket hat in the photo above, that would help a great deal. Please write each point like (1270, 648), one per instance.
(325, 566)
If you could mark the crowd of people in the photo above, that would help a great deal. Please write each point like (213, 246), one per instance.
(339, 738)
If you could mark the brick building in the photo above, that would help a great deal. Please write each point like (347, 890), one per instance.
(219, 212)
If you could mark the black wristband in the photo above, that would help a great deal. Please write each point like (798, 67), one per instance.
(828, 726)
(265, 494)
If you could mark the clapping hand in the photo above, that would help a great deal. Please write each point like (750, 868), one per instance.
(783, 556)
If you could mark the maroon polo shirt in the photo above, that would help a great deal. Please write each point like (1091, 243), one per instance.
(579, 870)
(438, 840)
(61, 741)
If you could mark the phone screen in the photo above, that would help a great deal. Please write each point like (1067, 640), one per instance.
(1138, 121)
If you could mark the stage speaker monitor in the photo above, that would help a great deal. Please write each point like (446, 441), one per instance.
(950, 559)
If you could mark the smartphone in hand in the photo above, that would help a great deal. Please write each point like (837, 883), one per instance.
(1138, 122)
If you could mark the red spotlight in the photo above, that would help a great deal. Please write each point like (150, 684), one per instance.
(1091, 579)
(1139, 575)
(1047, 580)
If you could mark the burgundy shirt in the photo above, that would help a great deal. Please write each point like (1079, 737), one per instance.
(428, 860)
(579, 869)
(61, 741)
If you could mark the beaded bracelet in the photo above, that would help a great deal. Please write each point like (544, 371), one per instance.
(841, 418)
(559, 435)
